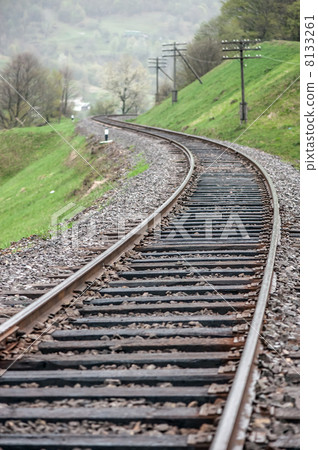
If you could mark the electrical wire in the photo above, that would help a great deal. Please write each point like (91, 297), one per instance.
(262, 56)
(280, 60)
(200, 60)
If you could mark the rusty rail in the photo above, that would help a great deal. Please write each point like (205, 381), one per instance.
(229, 432)
(52, 300)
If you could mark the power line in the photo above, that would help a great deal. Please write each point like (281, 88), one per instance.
(158, 64)
(280, 60)
(174, 51)
(201, 60)
(242, 46)
(266, 57)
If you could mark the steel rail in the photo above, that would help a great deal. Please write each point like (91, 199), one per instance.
(52, 300)
(229, 431)
(228, 434)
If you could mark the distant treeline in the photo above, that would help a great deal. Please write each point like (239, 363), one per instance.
(72, 11)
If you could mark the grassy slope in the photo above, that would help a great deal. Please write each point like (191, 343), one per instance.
(37, 161)
(211, 109)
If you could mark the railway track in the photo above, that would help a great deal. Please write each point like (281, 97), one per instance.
(159, 352)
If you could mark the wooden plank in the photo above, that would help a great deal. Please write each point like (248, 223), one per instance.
(199, 247)
(292, 414)
(210, 260)
(167, 298)
(119, 415)
(286, 442)
(175, 272)
(219, 307)
(60, 275)
(44, 286)
(208, 320)
(64, 441)
(200, 234)
(185, 344)
(182, 359)
(200, 224)
(222, 202)
(243, 210)
(158, 332)
(60, 377)
(182, 282)
(186, 241)
(25, 293)
(153, 264)
(152, 393)
(206, 253)
(164, 290)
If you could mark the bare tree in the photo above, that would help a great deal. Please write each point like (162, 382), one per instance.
(51, 92)
(165, 90)
(204, 53)
(103, 106)
(67, 88)
(19, 90)
(127, 80)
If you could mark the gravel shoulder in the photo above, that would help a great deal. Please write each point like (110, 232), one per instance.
(31, 262)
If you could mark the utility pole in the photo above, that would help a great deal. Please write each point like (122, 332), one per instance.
(159, 64)
(242, 46)
(174, 90)
(175, 50)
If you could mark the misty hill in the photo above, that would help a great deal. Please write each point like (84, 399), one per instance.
(86, 35)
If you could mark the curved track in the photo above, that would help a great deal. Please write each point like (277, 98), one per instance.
(160, 355)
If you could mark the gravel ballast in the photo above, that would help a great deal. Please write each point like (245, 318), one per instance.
(30, 263)
(274, 419)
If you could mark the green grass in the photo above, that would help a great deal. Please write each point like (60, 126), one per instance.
(140, 167)
(212, 109)
(36, 161)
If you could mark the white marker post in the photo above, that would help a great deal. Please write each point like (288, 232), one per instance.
(106, 141)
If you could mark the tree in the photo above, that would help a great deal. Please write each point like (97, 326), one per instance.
(19, 92)
(263, 19)
(103, 107)
(29, 92)
(203, 53)
(50, 91)
(71, 12)
(127, 81)
(165, 90)
(292, 22)
(67, 88)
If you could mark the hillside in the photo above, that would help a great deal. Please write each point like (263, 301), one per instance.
(212, 109)
(86, 35)
(40, 174)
